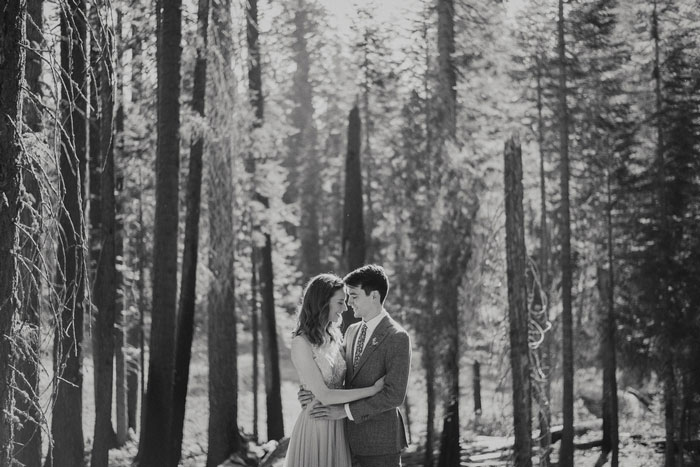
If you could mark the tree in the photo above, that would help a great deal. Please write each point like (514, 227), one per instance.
(122, 326)
(66, 426)
(353, 227)
(447, 71)
(451, 265)
(566, 455)
(156, 431)
(186, 309)
(543, 388)
(12, 69)
(106, 274)
(302, 152)
(28, 433)
(275, 421)
(517, 302)
(224, 435)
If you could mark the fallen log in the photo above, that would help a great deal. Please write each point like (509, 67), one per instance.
(690, 445)
(579, 429)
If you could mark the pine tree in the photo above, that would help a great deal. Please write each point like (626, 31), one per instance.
(186, 307)
(222, 350)
(106, 269)
(12, 70)
(156, 431)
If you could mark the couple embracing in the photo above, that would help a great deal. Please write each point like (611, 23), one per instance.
(352, 386)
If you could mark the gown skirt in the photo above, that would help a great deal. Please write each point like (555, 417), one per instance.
(318, 443)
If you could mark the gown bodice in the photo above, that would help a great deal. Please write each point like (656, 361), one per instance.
(330, 360)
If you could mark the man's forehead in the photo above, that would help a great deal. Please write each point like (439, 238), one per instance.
(354, 288)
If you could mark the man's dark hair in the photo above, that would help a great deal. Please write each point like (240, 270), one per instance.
(368, 278)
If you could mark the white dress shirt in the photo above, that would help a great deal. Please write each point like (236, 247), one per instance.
(371, 326)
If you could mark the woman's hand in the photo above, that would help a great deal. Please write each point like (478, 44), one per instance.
(378, 385)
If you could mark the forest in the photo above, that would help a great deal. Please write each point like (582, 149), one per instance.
(173, 172)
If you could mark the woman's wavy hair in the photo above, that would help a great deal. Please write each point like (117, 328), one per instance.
(312, 318)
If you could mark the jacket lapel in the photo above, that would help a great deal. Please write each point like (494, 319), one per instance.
(374, 341)
(349, 345)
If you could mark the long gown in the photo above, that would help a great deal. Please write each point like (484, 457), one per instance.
(321, 443)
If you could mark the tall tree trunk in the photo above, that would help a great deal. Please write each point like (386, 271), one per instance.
(476, 372)
(517, 302)
(448, 74)
(667, 374)
(106, 273)
(122, 326)
(608, 347)
(450, 450)
(135, 329)
(256, 333)
(607, 356)
(368, 225)
(186, 310)
(451, 265)
(429, 362)
(273, 399)
(67, 425)
(353, 227)
(303, 144)
(449, 271)
(12, 69)
(543, 388)
(566, 453)
(157, 426)
(224, 436)
(141, 287)
(28, 434)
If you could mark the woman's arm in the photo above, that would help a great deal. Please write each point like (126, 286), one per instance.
(310, 375)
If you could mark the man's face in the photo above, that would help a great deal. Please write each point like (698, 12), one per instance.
(360, 302)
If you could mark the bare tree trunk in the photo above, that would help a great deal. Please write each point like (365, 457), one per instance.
(450, 450)
(141, 287)
(543, 388)
(224, 435)
(186, 310)
(606, 283)
(368, 157)
(122, 327)
(12, 69)
(106, 273)
(671, 453)
(135, 327)
(256, 332)
(476, 371)
(157, 424)
(304, 145)
(66, 426)
(566, 453)
(429, 365)
(28, 435)
(448, 75)
(517, 302)
(275, 422)
(353, 227)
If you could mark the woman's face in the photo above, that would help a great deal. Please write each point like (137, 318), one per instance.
(337, 306)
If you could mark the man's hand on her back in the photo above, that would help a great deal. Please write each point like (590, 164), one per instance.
(305, 397)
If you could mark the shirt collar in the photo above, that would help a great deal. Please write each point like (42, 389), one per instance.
(374, 322)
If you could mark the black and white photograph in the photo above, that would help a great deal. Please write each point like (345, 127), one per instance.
(349, 233)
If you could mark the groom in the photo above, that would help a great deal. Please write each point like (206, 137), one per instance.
(374, 347)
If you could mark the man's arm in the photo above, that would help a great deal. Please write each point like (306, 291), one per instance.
(395, 383)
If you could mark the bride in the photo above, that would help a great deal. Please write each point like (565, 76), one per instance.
(318, 356)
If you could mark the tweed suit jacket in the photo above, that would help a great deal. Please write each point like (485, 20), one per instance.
(378, 427)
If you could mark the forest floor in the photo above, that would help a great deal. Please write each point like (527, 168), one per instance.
(482, 443)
